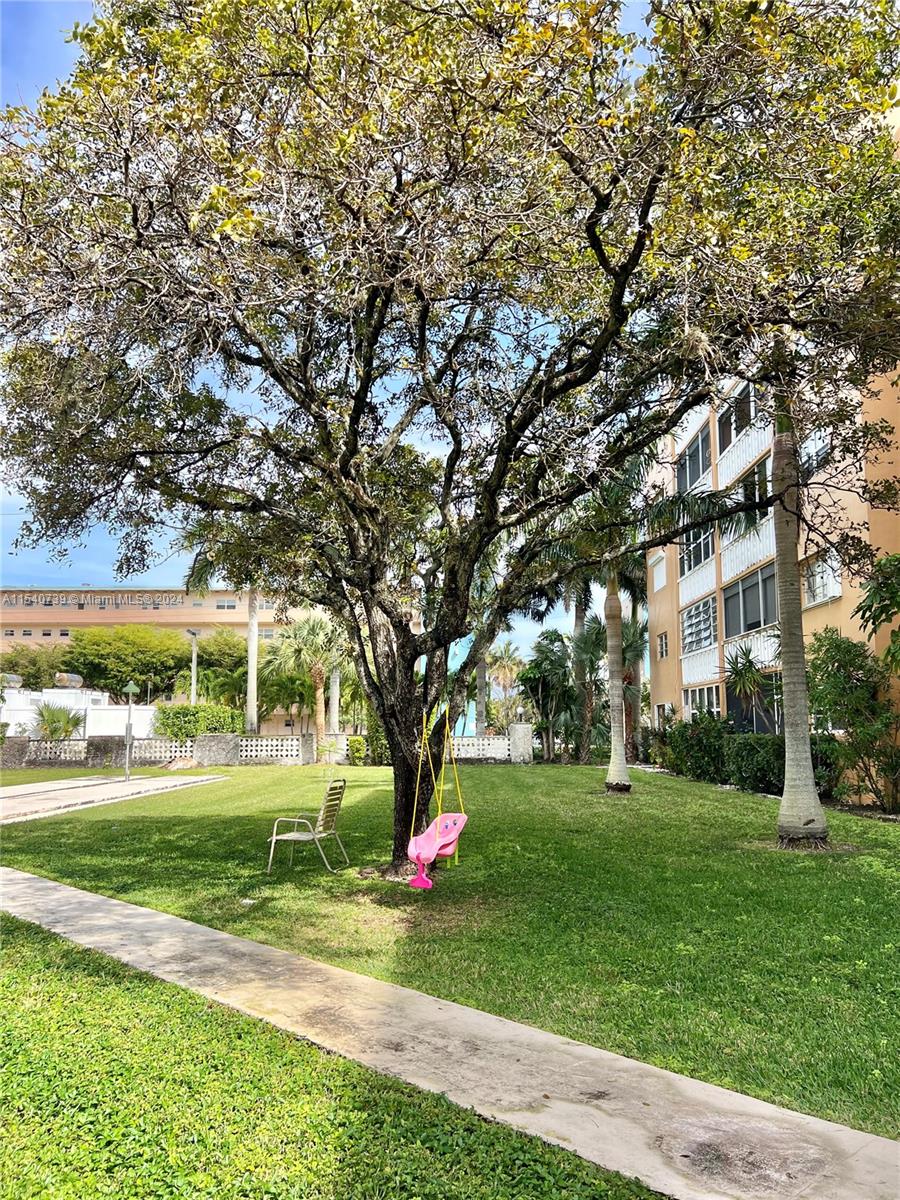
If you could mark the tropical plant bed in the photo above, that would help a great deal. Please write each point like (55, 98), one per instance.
(641, 923)
(120, 1085)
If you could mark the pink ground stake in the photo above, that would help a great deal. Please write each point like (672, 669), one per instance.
(438, 841)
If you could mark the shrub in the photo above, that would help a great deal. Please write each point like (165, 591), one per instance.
(754, 762)
(55, 722)
(852, 690)
(182, 721)
(696, 748)
(828, 766)
(356, 751)
(379, 750)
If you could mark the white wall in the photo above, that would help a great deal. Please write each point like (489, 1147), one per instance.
(101, 718)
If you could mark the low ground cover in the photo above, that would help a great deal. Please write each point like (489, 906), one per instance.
(120, 1085)
(661, 925)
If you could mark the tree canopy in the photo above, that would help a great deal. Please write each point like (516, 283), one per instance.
(374, 297)
(107, 657)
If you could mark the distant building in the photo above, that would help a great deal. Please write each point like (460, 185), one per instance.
(710, 595)
(47, 616)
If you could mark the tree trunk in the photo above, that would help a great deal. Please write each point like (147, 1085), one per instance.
(587, 723)
(411, 815)
(617, 778)
(583, 685)
(334, 701)
(251, 713)
(627, 681)
(636, 710)
(801, 819)
(481, 686)
(318, 680)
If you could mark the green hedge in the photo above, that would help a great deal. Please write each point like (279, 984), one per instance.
(188, 720)
(697, 748)
(356, 751)
(707, 749)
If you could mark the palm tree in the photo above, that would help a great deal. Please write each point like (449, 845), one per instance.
(546, 680)
(801, 818)
(311, 645)
(634, 648)
(504, 664)
(55, 722)
(589, 650)
(481, 690)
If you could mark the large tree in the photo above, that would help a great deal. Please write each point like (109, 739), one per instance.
(374, 294)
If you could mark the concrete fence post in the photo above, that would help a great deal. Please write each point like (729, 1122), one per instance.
(521, 738)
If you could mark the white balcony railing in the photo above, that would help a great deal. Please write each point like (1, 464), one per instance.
(744, 450)
(700, 666)
(697, 582)
(763, 646)
(749, 550)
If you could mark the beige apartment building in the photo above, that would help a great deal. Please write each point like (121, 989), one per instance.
(711, 594)
(47, 616)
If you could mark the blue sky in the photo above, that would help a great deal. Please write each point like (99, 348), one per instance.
(35, 54)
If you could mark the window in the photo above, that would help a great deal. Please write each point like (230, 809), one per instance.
(48, 603)
(658, 570)
(64, 633)
(267, 634)
(737, 416)
(46, 633)
(662, 645)
(267, 603)
(693, 464)
(701, 699)
(755, 487)
(814, 450)
(26, 633)
(750, 603)
(9, 633)
(660, 716)
(762, 713)
(197, 603)
(226, 604)
(699, 625)
(696, 548)
(28, 601)
(102, 604)
(822, 579)
(64, 602)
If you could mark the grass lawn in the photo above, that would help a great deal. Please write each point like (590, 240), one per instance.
(13, 776)
(661, 925)
(118, 1085)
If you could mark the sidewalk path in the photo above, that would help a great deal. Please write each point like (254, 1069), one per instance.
(684, 1138)
(25, 801)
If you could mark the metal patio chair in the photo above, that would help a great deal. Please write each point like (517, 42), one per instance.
(325, 827)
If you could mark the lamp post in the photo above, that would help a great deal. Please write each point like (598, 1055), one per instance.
(194, 634)
(131, 690)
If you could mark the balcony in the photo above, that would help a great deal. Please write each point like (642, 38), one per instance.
(763, 645)
(743, 452)
(690, 426)
(700, 666)
(749, 550)
(697, 582)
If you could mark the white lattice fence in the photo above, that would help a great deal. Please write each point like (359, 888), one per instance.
(287, 748)
(150, 750)
(481, 749)
(62, 751)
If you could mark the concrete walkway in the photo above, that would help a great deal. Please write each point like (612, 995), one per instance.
(24, 802)
(684, 1138)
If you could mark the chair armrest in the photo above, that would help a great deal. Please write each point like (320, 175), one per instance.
(295, 821)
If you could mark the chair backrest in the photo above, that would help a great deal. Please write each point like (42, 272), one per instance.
(331, 806)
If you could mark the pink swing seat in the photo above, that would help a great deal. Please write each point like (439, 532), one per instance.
(438, 841)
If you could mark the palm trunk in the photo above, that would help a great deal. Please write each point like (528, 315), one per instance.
(617, 779)
(318, 680)
(481, 699)
(251, 712)
(583, 685)
(334, 701)
(801, 819)
(636, 710)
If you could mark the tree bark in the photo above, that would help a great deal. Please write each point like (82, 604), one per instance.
(617, 778)
(318, 680)
(481, 686)
(636, 709)
(334, 701)
(251, 712)
(801, 819)
(411, 814)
